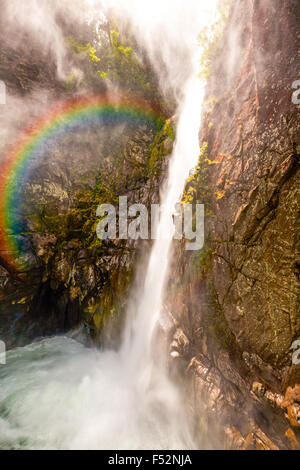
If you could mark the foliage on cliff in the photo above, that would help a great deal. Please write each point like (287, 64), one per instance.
(132, 165)
(210, 38)
(115, 60)
(94, 273)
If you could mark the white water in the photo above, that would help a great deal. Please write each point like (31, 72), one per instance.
(147, 308)
(58, 394)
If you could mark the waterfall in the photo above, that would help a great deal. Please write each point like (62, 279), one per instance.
(58, 394)
(141, 322)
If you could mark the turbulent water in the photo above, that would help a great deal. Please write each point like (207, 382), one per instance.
(58, 394)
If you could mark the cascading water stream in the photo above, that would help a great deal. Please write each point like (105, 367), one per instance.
(141, 324)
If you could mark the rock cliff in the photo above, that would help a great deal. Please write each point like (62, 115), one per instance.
(239, 312)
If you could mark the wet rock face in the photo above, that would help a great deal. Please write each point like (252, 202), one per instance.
(292, 405)
(70, 278)
(67, 283)
(242, 316)
(256, 143)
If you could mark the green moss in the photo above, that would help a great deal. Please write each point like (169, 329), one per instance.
(210, 38)
(89, 50)
(161, 147)
(169, 130)
(116, 57)
(198, 189)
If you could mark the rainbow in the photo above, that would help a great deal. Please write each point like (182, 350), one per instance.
(63, 118)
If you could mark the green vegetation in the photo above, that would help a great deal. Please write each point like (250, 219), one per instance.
(210, 38)
(79, 221)
(114, 59)
(198, 189)
(132, 162)
(160, 148)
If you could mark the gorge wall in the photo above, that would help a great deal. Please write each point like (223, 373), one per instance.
(238, 314)
(71, 278)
